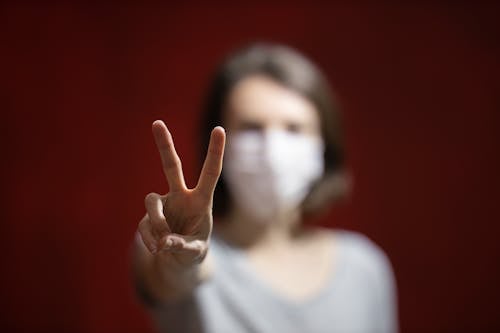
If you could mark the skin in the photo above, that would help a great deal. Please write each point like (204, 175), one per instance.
(175, 231)
(171, 250)
(259, 103)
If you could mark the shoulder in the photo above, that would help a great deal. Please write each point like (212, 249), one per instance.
(360, 253)
(365, 262)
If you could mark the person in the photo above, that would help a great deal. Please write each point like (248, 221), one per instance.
(261, 268)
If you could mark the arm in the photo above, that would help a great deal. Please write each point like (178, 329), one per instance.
(171, 246)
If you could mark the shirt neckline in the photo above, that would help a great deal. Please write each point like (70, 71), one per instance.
(239, 259)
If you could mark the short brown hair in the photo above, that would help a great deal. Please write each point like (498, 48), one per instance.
(293, 70)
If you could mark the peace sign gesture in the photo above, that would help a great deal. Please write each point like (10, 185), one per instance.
(178, 224)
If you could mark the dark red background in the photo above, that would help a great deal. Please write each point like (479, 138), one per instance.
(80, 85)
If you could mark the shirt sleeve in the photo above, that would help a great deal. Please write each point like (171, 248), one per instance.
(385, 296)
(378, 276)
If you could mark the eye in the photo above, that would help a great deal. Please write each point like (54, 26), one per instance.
(294, 128)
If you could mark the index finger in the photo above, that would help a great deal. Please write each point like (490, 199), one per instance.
(212, 166)
(170, 161)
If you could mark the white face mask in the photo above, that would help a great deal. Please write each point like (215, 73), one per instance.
(271, 173)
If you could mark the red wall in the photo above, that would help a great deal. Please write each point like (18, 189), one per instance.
(82, 83)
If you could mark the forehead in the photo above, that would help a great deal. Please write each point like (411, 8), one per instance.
(260, 98)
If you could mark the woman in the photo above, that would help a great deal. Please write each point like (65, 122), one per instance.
(261, 269)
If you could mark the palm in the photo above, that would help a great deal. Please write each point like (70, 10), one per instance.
(187, 213)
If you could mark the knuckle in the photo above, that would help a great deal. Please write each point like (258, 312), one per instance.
(215, 151)
(146, 237)
(212, 173)
(201, 251)
(173, 164)
(150, 197)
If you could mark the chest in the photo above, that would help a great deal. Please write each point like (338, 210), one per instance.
(297, 273)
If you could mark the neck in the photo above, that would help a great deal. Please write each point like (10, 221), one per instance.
(244, 231)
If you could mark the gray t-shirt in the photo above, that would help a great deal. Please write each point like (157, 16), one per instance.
(360, 296)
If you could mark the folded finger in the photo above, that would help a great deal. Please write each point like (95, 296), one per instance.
(147, 237)
(154, 208)
(185, 246)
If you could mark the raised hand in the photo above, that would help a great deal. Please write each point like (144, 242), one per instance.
(178, 225)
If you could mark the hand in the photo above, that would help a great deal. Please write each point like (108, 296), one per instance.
(178, 225)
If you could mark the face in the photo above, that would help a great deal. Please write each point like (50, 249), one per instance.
(274, 150)
(258, 103)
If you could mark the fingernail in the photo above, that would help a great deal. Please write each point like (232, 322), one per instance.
(169, 242)
(153, 249)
